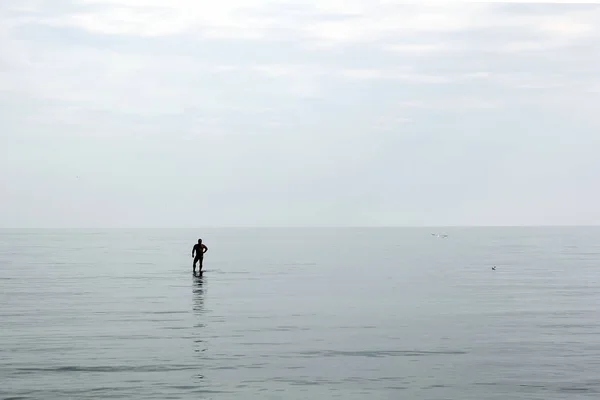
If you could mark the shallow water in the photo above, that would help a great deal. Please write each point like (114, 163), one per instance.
(301, 313)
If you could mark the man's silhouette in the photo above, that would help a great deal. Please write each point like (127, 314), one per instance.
(199, 249)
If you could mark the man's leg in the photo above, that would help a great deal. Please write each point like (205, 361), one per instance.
(200, 264)
(195, 261)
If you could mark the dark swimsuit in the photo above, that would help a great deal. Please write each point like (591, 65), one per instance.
(199, 252)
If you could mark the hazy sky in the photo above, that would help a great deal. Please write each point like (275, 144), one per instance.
(148, 113)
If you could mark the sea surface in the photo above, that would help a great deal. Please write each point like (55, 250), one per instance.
(378, 313)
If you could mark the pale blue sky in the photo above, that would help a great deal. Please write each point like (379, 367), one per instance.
(147, 113)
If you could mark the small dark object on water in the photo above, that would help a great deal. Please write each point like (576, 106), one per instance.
(494, 268)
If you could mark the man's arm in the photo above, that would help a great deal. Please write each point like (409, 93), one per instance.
(204, 249)
(193, 250)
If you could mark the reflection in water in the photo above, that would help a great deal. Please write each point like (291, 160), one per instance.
(198, 291)
(199, 311)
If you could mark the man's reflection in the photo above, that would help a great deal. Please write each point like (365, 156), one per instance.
(199, 333)
(198, 295)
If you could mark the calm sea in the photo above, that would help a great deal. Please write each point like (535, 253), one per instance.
(301, 314)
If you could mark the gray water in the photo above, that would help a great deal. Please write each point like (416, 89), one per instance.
(301, 314)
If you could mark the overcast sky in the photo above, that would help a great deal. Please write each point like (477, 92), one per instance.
(148, 113)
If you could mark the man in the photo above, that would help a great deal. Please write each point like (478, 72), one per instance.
(199, 249)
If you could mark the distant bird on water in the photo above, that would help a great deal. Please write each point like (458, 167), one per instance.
(494, 268)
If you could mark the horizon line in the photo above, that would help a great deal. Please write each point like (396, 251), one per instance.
(311, 227)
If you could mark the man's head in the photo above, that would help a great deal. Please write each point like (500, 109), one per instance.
(199, 241)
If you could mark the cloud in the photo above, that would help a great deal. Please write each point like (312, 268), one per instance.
(329, 112)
